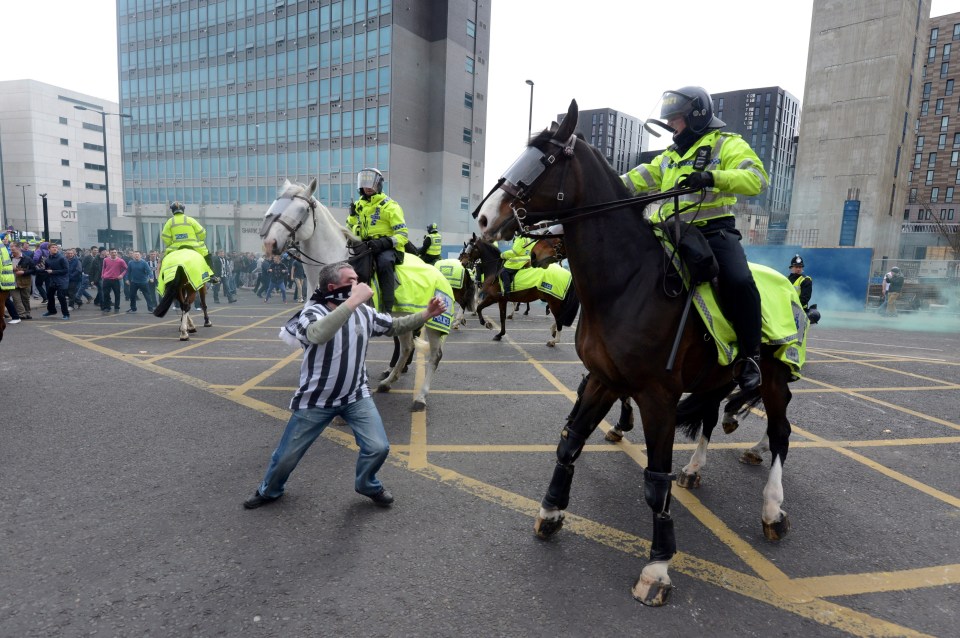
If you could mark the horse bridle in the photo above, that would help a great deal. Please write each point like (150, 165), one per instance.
(521, 179)
(293, 244)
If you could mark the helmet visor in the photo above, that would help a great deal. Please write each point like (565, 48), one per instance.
(368, 178)
(673, 104)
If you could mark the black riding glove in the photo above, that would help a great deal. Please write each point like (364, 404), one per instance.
(379, 245)
(696, 180)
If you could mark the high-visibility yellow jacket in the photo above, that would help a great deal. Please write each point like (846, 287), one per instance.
(735, 167)
(436, 243)
(7, 280)
(518, 255)
(182, 231)
(377, 217)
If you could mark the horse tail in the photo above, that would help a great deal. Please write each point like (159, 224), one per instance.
(170, 293)
(570, 308)
(701, 410)
(469, 292)
(741, 402)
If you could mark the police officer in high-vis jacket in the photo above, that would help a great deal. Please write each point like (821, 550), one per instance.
(182, 231)
(432, 243)
(720, 166)
(800, 281)
(378, 220)
(515, 258)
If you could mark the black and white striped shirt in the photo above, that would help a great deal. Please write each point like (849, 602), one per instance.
(334, 373)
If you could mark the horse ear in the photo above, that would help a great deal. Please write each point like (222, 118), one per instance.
(569, 124)
(312, 186)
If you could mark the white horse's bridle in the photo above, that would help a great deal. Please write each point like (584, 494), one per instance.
(298, 223)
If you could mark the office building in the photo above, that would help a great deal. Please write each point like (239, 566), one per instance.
(618, 136)
(48, 146)
(229, 98)
(768, 119)
(864, 70)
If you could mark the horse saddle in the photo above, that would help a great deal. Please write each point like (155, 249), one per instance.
(693, 249)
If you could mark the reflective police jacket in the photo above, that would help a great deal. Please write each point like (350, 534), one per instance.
(518, 256)
(736, 170)
(432, 243)
(804, 286)
(376, 217)
(7, 280)
(182, 231)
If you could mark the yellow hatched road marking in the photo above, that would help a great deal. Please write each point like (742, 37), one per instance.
(886, 369)
(215, 339)
(418, 420)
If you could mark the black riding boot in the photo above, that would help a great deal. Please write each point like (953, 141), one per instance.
(506, 278)
(748, 374)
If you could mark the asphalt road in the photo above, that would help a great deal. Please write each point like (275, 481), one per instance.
(125, 456)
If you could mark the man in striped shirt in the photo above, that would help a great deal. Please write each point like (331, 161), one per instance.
(334, 332)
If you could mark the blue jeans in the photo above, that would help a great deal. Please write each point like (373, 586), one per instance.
(277, 285)
(305, 426)
(148, 296)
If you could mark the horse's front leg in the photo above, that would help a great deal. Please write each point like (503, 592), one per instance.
(435, 340)
(489, 300)
(503, 319)
(593, 402)
(624, 423)
(689, 476)
(184, 333)
(657, 413)
(406, 349)
(203, 305)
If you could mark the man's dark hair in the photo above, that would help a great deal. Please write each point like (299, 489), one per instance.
(330, 274)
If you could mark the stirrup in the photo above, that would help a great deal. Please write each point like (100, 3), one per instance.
(749, 377)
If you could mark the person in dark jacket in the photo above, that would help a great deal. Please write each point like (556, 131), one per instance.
(57, 282)
(140, 278)
(75, 279)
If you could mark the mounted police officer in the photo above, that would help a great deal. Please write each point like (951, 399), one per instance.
(432, 243)
(378, 220)
(804, 286)
(182, 231)
(515, 258)
(720, 166)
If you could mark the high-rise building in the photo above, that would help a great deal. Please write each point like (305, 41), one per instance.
(932, 212)
(618, 136)
(49, 146)
(228, 98)
(863, 72)
(768, 119)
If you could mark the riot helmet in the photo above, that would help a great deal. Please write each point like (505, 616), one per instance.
(694, 104)
(370, 178)
(813, 314)
(432, 228)
(796, 261)
(176, 207)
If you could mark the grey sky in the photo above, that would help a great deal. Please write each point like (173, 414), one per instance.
(647, 47)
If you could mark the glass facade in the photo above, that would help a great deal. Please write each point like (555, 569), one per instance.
(230, 97)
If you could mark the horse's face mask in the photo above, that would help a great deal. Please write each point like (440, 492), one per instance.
(290, 214)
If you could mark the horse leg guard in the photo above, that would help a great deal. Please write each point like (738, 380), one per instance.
(625, 424)
(656, 491)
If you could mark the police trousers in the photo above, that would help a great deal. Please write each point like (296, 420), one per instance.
(739, 296)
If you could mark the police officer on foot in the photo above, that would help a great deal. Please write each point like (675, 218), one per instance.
(182, 231)
(804, 286)
(378, 220)
(432, 243)
(718, 166)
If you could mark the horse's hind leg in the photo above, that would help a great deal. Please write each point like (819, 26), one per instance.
(406, 348)
(776, 398)
(184, 333)
(191, 327)
(624, 423)
(203, 305)
(435, 339)
(754, 456)
(593, 403)
(503, 319)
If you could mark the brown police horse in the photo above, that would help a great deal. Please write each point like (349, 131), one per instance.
(490, 263)
(629, 314)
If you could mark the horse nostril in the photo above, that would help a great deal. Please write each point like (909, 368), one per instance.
(482, 221)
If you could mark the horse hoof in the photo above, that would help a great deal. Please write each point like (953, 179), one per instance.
(730, 423)
(551, 343)
(488, 326)
(776, 530)
(749, 457)
(207, 324)
(688, 481)
(545, 528)
(614, 435)
(652, 593)
(497, 337)
(191, 330)
(418, 406)
(383, 387)
(184, 338)
(384, 374)
(405, 369)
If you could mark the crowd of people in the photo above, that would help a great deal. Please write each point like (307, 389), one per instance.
(52, 281)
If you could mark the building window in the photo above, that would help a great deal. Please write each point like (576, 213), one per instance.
(950, 215)
(929, 178)
(927, 87)
(88, 146)
(63, 120)
(468, 100)
(67, 203)
(934, 194)
(944, 122)
(942, 141)
(919, 142)
(948, 88)
(948, 197)
(472, 32)
(93, 127)
(931, 160)
(99, 187)
(467, 136)
(956, 32)
(934, 32)
(469, 65)
(931, 54)
(946, 52)
(64, 141)
(924, 108)
(94, 167)
(64, 162)
(464, 203)
(944, 69)
(917, 159)
(939, 107)
(66, 182)
(906, 215)
(954, 156)
(943, 213)
(465, 169)
(913, 195)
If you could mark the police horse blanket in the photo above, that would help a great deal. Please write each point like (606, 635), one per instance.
(625, 336)
(183, 274)
(297, 222)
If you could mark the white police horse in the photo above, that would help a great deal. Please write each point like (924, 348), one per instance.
(298, 222)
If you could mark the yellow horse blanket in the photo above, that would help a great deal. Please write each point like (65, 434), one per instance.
(193, 264)
(419, 282)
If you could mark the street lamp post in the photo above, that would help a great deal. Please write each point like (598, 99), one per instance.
(106, 167)
(530, 119)
(46, 218)
(23, 191)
